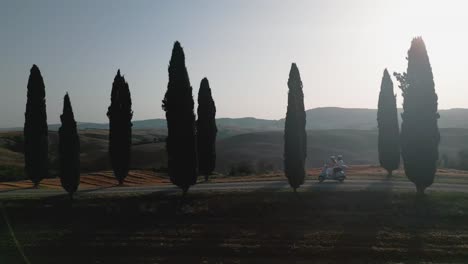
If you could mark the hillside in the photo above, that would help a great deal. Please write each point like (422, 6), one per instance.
(358, 147)
(253, 152)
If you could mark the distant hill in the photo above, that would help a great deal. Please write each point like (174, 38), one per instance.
(324, 118)
(365, 119)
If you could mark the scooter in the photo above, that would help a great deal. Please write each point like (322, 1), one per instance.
(339, 176)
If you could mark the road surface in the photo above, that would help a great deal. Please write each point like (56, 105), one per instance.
(348, 185)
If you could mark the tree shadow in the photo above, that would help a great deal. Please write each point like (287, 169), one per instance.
(370, 210)
(272, 186)
(421, 220)
(95, 189)
(327, 186)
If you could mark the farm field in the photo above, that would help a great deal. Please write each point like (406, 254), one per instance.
(255, 226)
(149, 178)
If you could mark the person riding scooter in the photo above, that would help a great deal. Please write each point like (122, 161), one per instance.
(333, 170)
(330, 166)
(340, 164)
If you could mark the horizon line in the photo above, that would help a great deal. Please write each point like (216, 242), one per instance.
(244, 117)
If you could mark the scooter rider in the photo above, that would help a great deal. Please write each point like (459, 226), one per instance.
(331, 165)
(333, 170)
(341, 162)
(340, 165)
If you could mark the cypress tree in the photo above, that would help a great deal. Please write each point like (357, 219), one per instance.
(120, 128)
(181, 140)
(35, 129)
(206, 130)
(419, 131)
(69, 149)
(295, 137)
(389, 133)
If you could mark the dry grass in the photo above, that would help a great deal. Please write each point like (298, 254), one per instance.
(98, 179)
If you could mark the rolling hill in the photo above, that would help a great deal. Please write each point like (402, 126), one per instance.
(252, 152)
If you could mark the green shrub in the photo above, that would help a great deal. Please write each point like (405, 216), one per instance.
(11, 173)
(241, 169)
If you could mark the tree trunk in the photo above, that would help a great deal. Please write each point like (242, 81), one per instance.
(36, 185)
(420, 190)
(389, 174)
(184, 191)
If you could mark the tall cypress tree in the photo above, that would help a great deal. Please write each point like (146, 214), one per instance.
(389, 132)
(295, 137)
(69, 149)
(181, 140)
(120, 128)
(206, 130)
(419, 131)
(35, 129)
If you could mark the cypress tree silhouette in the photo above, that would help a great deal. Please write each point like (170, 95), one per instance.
(389, 132)
(295, 138)
(206, 130)
(35, 129)
(419, 131)
(69, 149)
(181, 140)
(120, 128)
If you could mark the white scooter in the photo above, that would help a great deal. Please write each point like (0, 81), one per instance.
(339, 176)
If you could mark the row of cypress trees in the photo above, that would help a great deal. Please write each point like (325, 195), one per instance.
(185, 159)
(419, 137)
(36, 137)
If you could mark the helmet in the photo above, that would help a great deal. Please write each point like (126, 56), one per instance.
(332, 157)
(340, 156)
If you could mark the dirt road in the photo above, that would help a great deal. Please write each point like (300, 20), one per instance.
(349, 185)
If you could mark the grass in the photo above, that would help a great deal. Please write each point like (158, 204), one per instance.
(240, 227)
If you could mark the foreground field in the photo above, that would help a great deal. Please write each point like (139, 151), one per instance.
(261, 226)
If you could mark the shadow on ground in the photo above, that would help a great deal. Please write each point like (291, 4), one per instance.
(268, 225)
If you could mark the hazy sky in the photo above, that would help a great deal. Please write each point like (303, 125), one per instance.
(245, 48)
